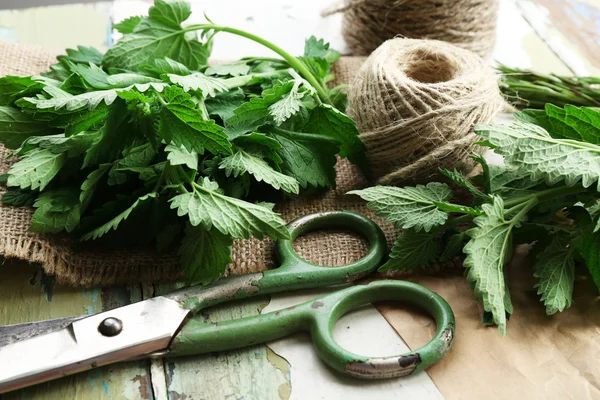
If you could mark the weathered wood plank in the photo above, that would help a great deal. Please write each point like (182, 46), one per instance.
(250, 373)
(24, 300)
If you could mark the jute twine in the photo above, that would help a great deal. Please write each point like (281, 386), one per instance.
(470, 24)
(416, 103)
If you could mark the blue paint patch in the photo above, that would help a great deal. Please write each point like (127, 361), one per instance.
(105, 386)
(92, 376)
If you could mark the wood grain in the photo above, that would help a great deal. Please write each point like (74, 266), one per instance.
(23, 299)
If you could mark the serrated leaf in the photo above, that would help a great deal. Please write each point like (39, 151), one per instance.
(457, 208)
(555, 270)
(159, 35)
(204, 255)
(314, 48)
(461, 180)
(179, 155)
(16, 127)
(241, 162)
(589, 248)
(117, 133)
(15, 87)
(224, 104)
(36, 169)
(73, 146)
(114, 222)
(413, 250)
(287, 106)
(82, 55)
(56, 210)
(89, 100)
(197, 81)
(128, 24)
(88, 186)
(531, 149)
(184, 125)
(231, 216)
(233, 69)
(326, 120)
(309, 158)
(261, 145)
(580, 123)
(408, 207)
(487, 252)
(19, 198)
(138, 156)
(168, 66)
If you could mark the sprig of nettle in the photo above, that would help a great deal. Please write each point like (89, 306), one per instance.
(527, 89)
(149, 144)
(546, 194)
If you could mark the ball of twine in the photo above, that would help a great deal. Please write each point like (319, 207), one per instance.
(416, 103)
(469, 24)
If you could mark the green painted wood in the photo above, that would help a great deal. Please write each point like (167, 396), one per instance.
(250, 373)
(24, 299)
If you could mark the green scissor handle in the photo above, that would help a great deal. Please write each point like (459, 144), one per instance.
(294, 272)
(318, 317)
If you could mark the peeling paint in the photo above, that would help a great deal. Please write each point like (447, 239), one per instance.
(280, 363)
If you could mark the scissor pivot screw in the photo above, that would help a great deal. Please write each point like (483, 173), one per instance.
(110, 327)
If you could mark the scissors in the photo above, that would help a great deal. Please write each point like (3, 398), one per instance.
(162, 326)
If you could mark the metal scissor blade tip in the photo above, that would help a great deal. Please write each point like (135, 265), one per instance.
(13, 333)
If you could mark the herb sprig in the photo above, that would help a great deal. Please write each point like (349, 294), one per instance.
(547, 194)
(148, 144)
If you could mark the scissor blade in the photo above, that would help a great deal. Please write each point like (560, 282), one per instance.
(147, 327)
(13, 333)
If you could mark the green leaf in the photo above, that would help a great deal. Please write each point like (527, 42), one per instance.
(413, 250)
(261, 145)
(454, 246)
(95, 77)
(88, 187)
(15, 87)
(555, 270)
(36, 169)
(181, 156)
(16, 126)
(56, 210)
(314, 48)
(408, 207)
(456, 208)
(184, 125)
(241, 162)
(536, 117)
(224, 104)
(128, 24)
(168, 66)
(89, 100)
(328, 121)
(286, 107)
(157, 36)
(532, 150)
(575, 123)
(204, 255)
(308, 158)
(197, 81)
(82, 55)
(114, 222)
(233, 69)
(138, 156)
(118, 133)
(487, 252)
(237, 218)
(19, 198)
(589, 248)
(461, 180)
(73, 146)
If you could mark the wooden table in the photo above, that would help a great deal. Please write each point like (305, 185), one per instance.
(547, 35)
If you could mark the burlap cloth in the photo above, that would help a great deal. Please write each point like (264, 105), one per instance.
(57, 256)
